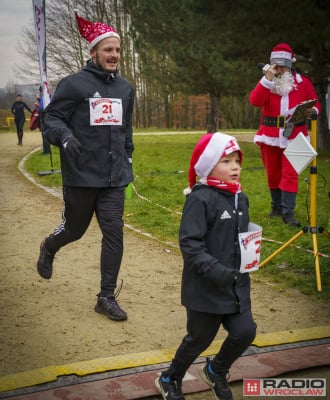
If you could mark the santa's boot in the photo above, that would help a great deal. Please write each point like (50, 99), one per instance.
(288, 205)
(276, 196)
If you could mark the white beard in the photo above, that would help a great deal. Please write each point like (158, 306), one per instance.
(284, 84)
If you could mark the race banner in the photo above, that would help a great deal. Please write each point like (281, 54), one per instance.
(39, 15)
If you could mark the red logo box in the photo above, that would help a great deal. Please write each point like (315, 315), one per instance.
(251, 387)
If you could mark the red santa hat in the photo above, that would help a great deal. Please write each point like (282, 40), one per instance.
(282, 55)
(94, 32)
(206, 154)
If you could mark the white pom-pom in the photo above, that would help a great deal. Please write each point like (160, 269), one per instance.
(186, 191)
(294, 59)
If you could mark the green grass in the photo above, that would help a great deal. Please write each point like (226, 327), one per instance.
(160, 170)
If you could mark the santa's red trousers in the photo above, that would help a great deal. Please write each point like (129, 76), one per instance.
(279, 171)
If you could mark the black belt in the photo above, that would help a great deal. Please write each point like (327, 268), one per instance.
(278, 122)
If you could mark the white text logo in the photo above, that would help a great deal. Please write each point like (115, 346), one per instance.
(284, 387)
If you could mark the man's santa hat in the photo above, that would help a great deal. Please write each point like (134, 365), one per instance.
(206, 154)
(94, 32)
(282, 55)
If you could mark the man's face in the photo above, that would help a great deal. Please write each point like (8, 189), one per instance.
(281, 69)
(106, 55)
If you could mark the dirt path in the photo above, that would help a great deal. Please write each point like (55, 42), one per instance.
(53, 322)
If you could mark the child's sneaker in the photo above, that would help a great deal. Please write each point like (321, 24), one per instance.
(170, 389)
(217, 382)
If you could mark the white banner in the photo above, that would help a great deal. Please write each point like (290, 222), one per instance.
(40, 29)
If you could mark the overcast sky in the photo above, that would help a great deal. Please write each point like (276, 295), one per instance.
(14, 15)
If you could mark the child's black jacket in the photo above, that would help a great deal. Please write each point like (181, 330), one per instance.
(211, 281)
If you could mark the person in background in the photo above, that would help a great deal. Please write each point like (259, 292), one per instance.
(213, 290)
(90, 119)
(277, 94)
(39, 105)
(19, 116)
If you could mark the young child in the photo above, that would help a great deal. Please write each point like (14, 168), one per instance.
(213, 291)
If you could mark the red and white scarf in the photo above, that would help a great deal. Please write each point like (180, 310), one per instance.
(229, 187)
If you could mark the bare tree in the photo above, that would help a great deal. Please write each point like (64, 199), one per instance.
(152, 72)
(66, 51)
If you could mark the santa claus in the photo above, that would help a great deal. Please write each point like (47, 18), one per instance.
(278, 93)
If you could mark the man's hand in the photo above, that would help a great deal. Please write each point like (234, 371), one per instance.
(71, 146)
(271, 72)
(309, 112)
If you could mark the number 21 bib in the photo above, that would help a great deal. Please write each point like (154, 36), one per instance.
(105, 111)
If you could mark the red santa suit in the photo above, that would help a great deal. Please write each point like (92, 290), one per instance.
(278, 99)
(274, 105)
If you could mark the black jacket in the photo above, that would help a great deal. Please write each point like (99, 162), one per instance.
(211, 281)
(106, 150)
(18, 110)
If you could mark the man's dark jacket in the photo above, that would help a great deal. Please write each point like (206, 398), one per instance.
(106, 151)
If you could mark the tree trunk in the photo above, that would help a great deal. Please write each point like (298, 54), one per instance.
(323, 131)
(214, 111)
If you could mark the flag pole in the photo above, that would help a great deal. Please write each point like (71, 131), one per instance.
(39, 14)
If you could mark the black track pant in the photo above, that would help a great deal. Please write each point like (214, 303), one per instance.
(19, 122)
(202, 329)
(79, 207)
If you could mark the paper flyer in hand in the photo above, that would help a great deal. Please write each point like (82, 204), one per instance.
(250, 244)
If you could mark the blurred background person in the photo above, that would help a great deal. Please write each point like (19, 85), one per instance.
(19, 116)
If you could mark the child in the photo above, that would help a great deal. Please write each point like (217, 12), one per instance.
(213, 291)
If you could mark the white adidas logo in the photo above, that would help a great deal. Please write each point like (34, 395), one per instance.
(96, 94)
(225, 215)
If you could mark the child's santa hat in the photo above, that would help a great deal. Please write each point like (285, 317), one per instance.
(94, 32)
(282, 55)
(206, 154)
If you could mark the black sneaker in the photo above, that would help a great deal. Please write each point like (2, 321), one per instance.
(217, 382)
(45, 262)
(169, 389)
(108, 306)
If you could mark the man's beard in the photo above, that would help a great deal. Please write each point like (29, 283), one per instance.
(284, 84)
(98, 63)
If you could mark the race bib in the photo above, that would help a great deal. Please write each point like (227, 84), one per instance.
(250, 244)
(105, 111)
